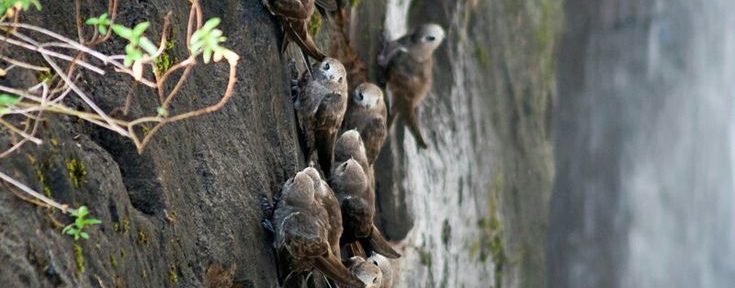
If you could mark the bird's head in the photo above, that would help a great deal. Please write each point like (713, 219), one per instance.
(367, 95)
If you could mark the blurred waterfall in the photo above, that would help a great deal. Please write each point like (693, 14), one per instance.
(644, 131)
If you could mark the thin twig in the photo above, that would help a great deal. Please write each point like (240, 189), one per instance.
(63, 207)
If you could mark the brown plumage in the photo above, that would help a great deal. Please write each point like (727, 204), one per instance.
(367, 114)
(307, 228)
(356, 195)
(294, 16)
(409, 63)
(320, 107)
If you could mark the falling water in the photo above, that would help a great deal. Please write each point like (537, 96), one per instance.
(645, 141)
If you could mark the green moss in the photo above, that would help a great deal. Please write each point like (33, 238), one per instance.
(173, 276)
(38, 169)
(44, 76)
(77, 172)
(491, 241)
(164, 61)
(549, 23)
(125, 225)
(425, 257)
(446, 232)
(113, 261)
(482, 57)
(142, 238)
(315, 24)
(79, 258)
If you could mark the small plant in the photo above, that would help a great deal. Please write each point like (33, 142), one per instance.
(133, 52)
(76, 229)
(25, 107)
(102, 23)
(8, 7)
(6, 101)
(206, 41)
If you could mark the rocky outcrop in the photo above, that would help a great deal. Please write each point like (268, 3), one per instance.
(192, 200)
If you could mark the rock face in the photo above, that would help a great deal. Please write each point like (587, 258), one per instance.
(464, 212)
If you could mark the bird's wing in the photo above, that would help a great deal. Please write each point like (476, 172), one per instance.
(293, 9)
(377, 243)
(393, 48)
(329, 5)
(373, 135)
(333, 268)
(329, 112)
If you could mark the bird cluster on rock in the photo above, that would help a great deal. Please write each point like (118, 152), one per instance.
(321, 219)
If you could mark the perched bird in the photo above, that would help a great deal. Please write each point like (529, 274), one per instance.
(368, 272)
(356, 196)
(294, 16)
(367, 114)
(304, 229)
(349, 145)
(386, 269)
(375, 271)
(409, 63)
(320, 105)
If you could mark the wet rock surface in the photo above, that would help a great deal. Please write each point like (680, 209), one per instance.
(464, 212)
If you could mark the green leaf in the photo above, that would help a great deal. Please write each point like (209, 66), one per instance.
(162, 112)
(102, 29)
(82, 211)
(122, 31)
(207, 55)
(84, 235)
(7, 100)
(148, 46)
(92, 221)
(140, 28)
(210, 24)
(92, 21)
(67, 229)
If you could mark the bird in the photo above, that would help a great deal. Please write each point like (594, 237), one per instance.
(366, 112)
(294, 16)
(376, 271)
(320, 106)
(386, 269)
(409, 64)
(356, 195)
(349, 145)
(304, 229)
(368, 272)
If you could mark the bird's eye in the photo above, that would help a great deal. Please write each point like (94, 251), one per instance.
(430, 38)
(340, 79)
(375, 262)
(360, 96)
(326, 66)
(375, 280)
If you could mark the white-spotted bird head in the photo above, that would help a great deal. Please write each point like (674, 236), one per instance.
(368, 95)
(350, 145)
(426, 38)
(369, 273)
(349, 177)
(331, 70)
(299, 190)
(386, 268)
